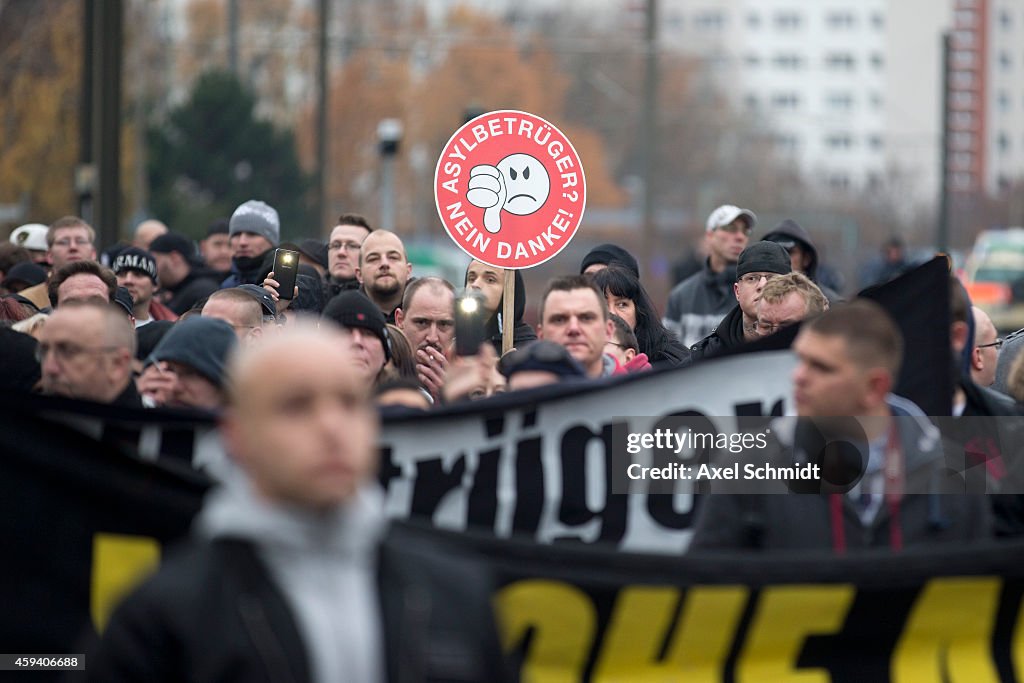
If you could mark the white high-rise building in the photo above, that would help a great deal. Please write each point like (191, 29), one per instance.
(850, 88)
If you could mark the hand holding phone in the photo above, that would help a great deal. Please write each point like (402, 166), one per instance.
(286, 269)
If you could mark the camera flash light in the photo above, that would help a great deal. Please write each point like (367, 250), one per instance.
(469, 305)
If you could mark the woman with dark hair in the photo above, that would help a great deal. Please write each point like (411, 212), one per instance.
(490, 283)
(628, 299)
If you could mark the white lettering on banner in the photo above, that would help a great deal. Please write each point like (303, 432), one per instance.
(543, 470)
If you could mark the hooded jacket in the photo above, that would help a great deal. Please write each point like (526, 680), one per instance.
(521, 332)
(197, 285)
(790, 230)
(271, 594)
(929, 512)
(697, 304)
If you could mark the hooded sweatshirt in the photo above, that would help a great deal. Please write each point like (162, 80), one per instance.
(521, 332)
(697, 304)
(728, 335)
(790, 230)
(325, 566)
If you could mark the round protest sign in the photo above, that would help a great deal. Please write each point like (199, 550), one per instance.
(510, 189)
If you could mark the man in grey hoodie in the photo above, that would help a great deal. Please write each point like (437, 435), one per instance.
(294, 576)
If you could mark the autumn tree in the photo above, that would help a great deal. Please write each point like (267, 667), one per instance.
(212, 154)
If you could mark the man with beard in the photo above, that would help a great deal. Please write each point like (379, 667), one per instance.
(427, 318)
(343, 248)
(254, 230)
(383, 271)
(135, 269)
(215, 249)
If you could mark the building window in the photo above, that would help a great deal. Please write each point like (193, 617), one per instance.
(788, 61)
(961, 160)
(878, 21)
(840, 101)
(877, 101)
(961, 140)
(785, 100)
(788, 21)
(754, 20)
(877, 61)
(676, 21)
(752, 60)
(713, 21)
(839, 20)
(961, 119)
(875, 142)
(1005, 20)
(962, 99)
(839, 181)
(1003, 142)
(786, 143)
(1005, 60)
(1004, 101)
(964, 59)
(838, 141)
(1004, 183)
(962, 79)
(751, 102)
(963, 38)
(965, 17)
(840, 61)
(875, 181)
(962, 181)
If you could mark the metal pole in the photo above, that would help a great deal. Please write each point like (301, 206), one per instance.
(233, 36)
(648, 131)
(108, 37)
(322, 151)
(387, 191)
(85, 115)
(942, 229)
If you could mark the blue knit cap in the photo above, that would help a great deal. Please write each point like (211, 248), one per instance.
(201, 343)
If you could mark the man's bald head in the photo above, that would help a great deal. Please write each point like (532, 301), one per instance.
(147, 231)
(299, 421)
(985, 355)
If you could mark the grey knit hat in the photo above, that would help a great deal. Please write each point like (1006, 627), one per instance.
(258, 218)
(201, 343)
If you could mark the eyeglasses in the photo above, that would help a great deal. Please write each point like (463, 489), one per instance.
(755, 278)
(347, 246)
(67, 242)
(65, 352)
(998, 343)
(733, 228)
(770, 328)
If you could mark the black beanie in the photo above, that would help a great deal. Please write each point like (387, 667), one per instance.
(608, 254)
(353, 309)
(763, 257)
(134, 258)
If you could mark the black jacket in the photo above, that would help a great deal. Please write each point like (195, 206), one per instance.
(214, 613)
(728, 335)
(696, 305)
(196, 286)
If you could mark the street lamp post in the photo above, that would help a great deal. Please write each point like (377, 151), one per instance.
(389, 137)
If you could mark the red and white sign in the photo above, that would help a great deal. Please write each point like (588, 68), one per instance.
(510, 189)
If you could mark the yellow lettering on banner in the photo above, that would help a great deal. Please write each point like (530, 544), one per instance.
(948, 636)
(784, 617)
(119, 562)
(563, 621)
(699, 648)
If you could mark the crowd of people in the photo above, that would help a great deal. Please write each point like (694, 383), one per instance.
(299, 378)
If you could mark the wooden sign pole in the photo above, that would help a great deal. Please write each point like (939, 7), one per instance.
(508, 310)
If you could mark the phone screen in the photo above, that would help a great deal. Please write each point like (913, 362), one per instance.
(469, 323)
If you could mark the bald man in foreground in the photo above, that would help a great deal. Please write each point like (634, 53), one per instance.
(293, 574)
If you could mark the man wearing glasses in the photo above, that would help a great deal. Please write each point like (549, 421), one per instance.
(343, 252)
(759, 263)
(985, 354)
(85, 351)
(69, 239)
(696, 305)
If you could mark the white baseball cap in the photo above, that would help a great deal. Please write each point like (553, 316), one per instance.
(726, 214)
(32, 236)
